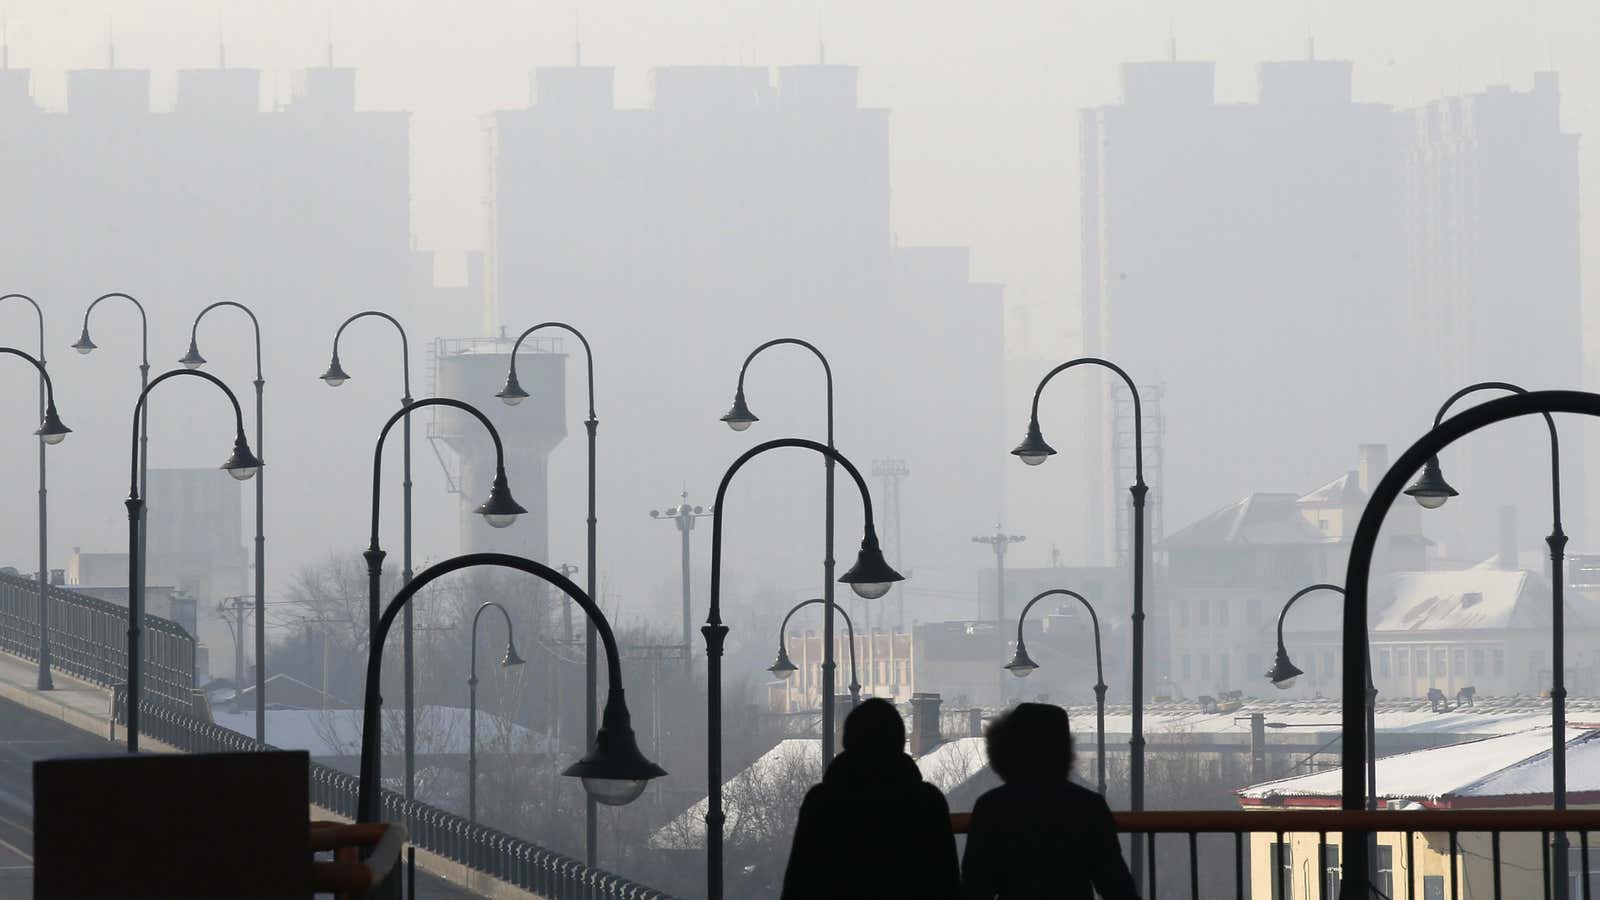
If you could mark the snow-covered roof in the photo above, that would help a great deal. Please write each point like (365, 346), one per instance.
(1482, 597)
(1342, 491)
(1262, 519)
(337, 732)
(1507, 766)
(758, 802)
(953, 763)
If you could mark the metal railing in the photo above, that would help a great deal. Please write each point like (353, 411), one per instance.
(1293, 854)
(488, 850)
(89, 639)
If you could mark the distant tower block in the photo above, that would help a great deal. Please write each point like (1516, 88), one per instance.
(473, 370)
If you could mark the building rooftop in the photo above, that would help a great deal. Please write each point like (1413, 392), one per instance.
(1259, 519)
(1506, 770)
(1482, 597)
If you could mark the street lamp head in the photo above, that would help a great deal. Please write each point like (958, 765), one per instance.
(740, 418)
(336, 375)
(1283, 671)
(614, 771)
(243, 464)
(51, 429)
(500, 510)
(871, 576)
(1033, 450)
(511, 658)
(783, 668)
(84, 345)
(1430, 490)
(512, 393)
(192, 359)
(1021, 665)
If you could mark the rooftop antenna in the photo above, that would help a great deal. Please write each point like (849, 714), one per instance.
(1311, 48)
(822, 48)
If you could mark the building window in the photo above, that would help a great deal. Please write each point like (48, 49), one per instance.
(1252, 610)
(1439, 662)
(1254, 662)
(1385, 871)
(1421, 657)
(1401, 658)
(1433, 887)
(1205, 667)
(1202, 611)
(1222, 669)
(1327, 663)
(1575, 880)
(1330, 870)
(1222, 612)
(1499, 662)
(1478, 667)
(1282, 866)
(1183, 613)
(1458, 662)
(1183, 667)
(1383, 663)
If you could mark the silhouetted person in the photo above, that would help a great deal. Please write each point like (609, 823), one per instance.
(873, 828)
(1040, 835)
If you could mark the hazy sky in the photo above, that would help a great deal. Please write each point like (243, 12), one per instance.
(983, 95)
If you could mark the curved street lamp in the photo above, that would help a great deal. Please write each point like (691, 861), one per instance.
(740, 418)
(870, 577)
(1431, 491)
(512, 394)
(85, 345)
(45, 682)
(1022, 665)
(783, 667)
(334, 377)
(614, 771)
(510, 659)
(1284, 672)
(193, 360)
(1362, 547)
(242, 464)
(1033, 451)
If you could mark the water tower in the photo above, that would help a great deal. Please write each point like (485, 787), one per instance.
(473, 370)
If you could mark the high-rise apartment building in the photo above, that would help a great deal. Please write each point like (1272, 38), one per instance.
(735, 208)
(1307, 270)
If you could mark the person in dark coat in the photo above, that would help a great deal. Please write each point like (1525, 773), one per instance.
(1038, 834)
(873, 828)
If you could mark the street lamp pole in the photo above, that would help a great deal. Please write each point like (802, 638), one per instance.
(193, 360)
(512, 394)
(45, 681)
(614, 771)
(510, 659)
(1362, 547)
(740, 418)
(334, 377)
(242, 465)
(1033, 451)
(683, 515)
(1022, 666)
(84, 345)
(784, 668)
(999, 541)
(870, 578)
(1431, 491)
(1284, 673)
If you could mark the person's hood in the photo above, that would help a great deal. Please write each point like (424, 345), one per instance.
(872, 771)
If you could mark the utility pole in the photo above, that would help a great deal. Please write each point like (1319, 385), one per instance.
(893, 471)
(999, 541)
(683, 515)
(237, 606)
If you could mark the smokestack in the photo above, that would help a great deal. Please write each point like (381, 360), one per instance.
(1508, 539)
(924, 723)
(1374, 462)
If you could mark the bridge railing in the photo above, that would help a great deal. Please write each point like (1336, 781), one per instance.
(89, 639)
(488, 850)
(1289, 853)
